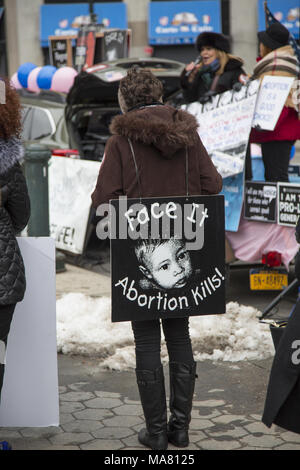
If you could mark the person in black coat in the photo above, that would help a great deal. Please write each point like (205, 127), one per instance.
(214, 71)
(282, 403)
(14, 215)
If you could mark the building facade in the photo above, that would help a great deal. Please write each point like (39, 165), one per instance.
(20, 29)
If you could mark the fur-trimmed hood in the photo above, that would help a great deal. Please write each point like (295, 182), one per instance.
(11, 152)
(162, 126)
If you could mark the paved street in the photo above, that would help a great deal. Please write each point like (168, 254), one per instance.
(100, 409)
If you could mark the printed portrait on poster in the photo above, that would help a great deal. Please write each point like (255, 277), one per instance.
(167, 257)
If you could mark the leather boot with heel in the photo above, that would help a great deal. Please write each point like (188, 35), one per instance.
(182, 385)
(151, 386)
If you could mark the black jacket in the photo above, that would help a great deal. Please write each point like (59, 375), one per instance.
(282, 404)
(197, 89)
(14, 215)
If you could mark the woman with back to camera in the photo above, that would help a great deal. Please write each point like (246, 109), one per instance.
(215, 70)
(277, 58)
(159, 135)
(14, 215)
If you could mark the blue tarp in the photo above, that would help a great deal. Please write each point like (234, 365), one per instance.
(181, 22)
(64, 19)
(285, 11)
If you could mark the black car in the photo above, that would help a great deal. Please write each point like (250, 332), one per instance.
(78, 123)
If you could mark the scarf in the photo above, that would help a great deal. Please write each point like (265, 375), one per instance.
(282, 62)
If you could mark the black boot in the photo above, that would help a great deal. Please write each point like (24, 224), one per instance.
(182, 385)
(151, 386)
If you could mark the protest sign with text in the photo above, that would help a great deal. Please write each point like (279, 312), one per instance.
(167, 257)
(272, 95)
(71, 182)
(224, 127)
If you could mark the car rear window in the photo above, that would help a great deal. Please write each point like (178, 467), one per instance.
(41, 125)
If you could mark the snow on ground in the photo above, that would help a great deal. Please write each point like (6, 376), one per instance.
(84, 327)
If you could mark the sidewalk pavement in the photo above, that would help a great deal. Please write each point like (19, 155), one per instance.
(100, 409)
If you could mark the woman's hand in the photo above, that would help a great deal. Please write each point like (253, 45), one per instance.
(191, 66)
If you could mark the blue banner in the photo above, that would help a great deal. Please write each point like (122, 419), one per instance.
(181, 22)
(286, 12)
(65, 19)
(233, 192)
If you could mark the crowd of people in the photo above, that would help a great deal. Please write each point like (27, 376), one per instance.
(151, 141)
(216, 71)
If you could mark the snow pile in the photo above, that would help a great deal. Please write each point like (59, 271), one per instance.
(84, 327)
(234, 336)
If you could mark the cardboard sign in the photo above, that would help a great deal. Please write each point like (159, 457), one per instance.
(288, 204)
(59, 52)
(71, 182)
(272, 95)
(167, 257)
(30, 388)
(260, 201)
(114, 44)
(224, 127)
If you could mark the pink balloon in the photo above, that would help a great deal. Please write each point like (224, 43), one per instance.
(63, 79)
(31, 81)
(15, 81)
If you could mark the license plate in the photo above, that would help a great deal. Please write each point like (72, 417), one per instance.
(268, 279)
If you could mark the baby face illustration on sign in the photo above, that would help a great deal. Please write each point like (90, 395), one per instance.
(165, 264)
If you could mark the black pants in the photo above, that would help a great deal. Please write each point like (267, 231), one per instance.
(276, 158)
(147, 336)
(6, 315)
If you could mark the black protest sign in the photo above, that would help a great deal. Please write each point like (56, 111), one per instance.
(167, 257)
(288, 204)
(114, 44)
(59, 52)
(260, 201)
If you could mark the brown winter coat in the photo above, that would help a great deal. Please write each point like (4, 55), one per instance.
(159, 135)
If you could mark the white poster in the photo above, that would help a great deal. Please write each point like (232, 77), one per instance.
(272, 95)
(30, 389)
(225, 125)
(71, 183)
(224, 128)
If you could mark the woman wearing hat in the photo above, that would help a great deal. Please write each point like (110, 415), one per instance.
(278, 58)
(215, 70)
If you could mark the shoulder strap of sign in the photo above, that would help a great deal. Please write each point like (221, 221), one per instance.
(138, 174)
(187, 171)
(136, 168)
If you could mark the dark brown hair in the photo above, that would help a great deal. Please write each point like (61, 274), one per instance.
(10, 113)
(140, 86)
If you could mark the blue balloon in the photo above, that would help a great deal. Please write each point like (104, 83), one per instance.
(23, 72)
(44, 78)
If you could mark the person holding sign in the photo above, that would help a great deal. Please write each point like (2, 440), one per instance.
(277, 58)
(214, 71)
(155, 151)
(14, 215)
